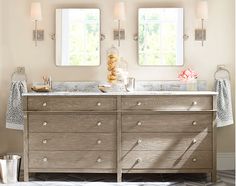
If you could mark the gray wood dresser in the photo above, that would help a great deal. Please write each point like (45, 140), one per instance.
(120, 133)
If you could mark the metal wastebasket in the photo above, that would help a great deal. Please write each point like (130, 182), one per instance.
(10, 168)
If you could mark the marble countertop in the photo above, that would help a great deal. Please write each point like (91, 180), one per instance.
(134, 93)
(144, 88)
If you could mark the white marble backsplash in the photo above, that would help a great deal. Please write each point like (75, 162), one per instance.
(167, 86)
(139, 86)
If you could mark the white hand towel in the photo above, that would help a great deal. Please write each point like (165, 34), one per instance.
(15, 115)
(224, 115)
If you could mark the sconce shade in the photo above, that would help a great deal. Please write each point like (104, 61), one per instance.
(202, 9)
(119, 11)
(36, 12)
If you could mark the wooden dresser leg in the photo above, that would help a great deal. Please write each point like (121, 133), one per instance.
(26, 176)
(213, 177)
(25, 142)
(119, 177)
(118, 144)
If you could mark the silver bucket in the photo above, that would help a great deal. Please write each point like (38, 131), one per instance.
(10, 168)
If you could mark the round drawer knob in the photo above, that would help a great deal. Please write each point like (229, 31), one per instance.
(194, 141)
(194, 102)
(139, 103)
(45, 159)
(139, 141)
(45, 141)
(194, 123)
(139, 123)
(139, 160)
(99, 104)
(44, 104)
(99, 123)
(99, 160)
(194, 159)
(45, 123)
(99, 141)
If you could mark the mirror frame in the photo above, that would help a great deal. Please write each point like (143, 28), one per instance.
(183, 46)
(56, 38)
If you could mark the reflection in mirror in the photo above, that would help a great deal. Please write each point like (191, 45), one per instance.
(160, 36)
(77, 37)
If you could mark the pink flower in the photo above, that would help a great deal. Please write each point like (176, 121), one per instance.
(187, 75)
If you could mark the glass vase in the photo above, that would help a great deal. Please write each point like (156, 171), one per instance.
(112, 60)
(191, 85)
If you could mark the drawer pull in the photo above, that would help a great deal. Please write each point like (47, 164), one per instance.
(99, 160)
(139, 123)
(194, 159)
(139, 141)
(99, 104)
(195, 103)
(139, 103)
(44, 141)
(194, 123)
(44, 104)
(99, 123)
(138, 160)
(45, 123)
(99, 142)
(194, 141)
(45, 159)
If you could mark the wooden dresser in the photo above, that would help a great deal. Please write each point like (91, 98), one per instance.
(120, 133)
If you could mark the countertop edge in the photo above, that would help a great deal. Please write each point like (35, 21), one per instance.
(137, 93)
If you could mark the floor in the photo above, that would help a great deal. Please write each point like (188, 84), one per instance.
(225, 178)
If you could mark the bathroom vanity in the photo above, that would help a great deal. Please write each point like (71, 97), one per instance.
(116, 132)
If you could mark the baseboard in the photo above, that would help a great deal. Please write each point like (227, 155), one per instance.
(225, 161)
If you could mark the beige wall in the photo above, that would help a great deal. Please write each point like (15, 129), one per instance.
(17, 49)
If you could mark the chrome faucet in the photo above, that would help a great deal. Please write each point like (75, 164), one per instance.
(48, 81)
(130, 86)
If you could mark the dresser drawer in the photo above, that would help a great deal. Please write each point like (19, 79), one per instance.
(184, 103)
(71, 141)
(167, 141)
(72, 160)
(71, 103)
(167, 160)
(72, 123)
(166, 122)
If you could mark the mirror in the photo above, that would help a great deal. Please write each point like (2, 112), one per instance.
(77, 37)
(160, 36)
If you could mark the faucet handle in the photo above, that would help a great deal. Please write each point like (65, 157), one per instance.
(50, 82)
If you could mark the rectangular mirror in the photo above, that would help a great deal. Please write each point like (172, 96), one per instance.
(77, 37)
(160, 36)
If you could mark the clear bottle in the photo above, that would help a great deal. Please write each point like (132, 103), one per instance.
(112, 61)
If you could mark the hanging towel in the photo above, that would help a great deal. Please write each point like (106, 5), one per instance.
(224, 114)
(15, 116)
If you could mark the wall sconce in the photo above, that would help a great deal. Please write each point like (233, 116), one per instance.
(119, 15)
(36, 15)
(202, 13)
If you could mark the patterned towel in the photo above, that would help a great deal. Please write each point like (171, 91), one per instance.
(15, 116)
(224, 115)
